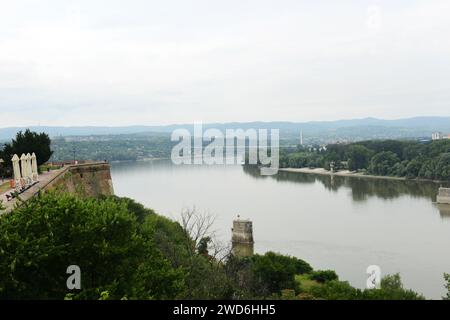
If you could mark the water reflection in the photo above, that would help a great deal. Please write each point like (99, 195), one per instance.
(339, 223)
(444, 210)
(361, 188)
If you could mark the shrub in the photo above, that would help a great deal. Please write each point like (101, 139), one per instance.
(323, 276)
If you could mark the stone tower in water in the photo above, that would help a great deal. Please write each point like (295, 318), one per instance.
(242, 238)
(443, 196)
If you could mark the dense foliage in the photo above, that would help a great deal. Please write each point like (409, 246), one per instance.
(26, 142)
(264, 275)
(391, 289)
(42, 238)
(125, 250)
(410, 159)
(323, 276)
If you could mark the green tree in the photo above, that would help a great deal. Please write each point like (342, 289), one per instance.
(204, 277)
(323, 276)
(437, 147)
(40, 239)
(391, 289)
(383, 162)
(413, 150)
(302, 267)
(428, 170)
(334, 158)
(202, 247)
(335, 290)
(394, 146)
(273, 272)
(358, 157)
(28, 142)
(413, 168)
(442, 170)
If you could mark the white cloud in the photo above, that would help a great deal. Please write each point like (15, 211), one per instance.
(147, 62)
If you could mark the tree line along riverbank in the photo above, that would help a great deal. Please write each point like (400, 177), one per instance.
(392, 159)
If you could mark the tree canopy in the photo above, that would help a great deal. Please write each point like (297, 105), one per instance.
(28, 142)
(40, 239)
(125, 250)
(410, 159)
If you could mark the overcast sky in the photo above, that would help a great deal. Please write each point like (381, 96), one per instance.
(106, 62)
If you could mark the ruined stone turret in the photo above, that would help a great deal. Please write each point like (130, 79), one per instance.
(242, 238)
(443, 196)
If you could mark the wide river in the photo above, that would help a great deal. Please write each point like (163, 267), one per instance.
(339, 223)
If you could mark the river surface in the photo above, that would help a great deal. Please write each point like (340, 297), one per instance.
(339, 223)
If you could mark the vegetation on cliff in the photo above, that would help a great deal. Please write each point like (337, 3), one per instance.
(127, 251)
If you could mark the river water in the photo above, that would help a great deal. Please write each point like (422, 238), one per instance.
(339, 223)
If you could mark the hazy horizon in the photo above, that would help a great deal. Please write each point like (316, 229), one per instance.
(100, 63)
(237, 122)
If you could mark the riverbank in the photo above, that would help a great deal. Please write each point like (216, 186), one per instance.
(139, 160)
(347, 173)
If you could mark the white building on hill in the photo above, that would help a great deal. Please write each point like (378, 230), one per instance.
(438, 136)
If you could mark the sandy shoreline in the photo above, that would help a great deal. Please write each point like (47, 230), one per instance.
(347, 173)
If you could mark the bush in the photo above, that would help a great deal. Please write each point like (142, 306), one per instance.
(323, 276)
(447, 286)
(264, 275)
(391, 289)
(40, 239)
(335, 290)
(302, 267)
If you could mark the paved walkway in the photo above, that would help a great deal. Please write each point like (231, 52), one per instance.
(44, 179)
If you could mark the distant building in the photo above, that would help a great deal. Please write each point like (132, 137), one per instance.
(437, 136)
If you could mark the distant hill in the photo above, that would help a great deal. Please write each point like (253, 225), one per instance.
(355, 129)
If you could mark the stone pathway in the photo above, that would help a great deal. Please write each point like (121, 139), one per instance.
(44, 179)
